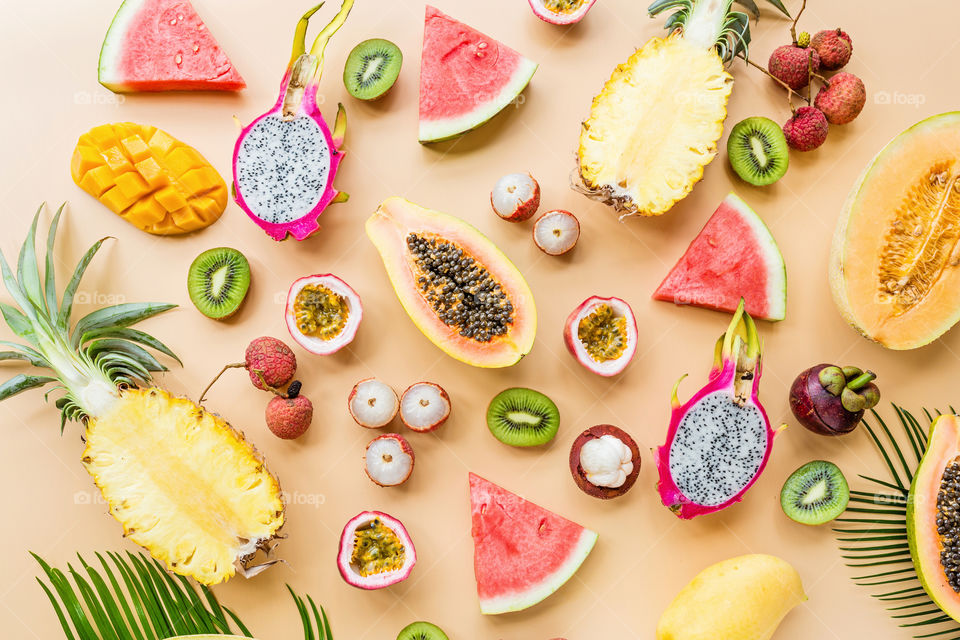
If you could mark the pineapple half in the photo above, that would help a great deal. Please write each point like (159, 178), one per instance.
(655, 125)
(183, 483)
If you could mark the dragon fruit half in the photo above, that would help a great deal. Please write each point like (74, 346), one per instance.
(285, 161)
(720, 440)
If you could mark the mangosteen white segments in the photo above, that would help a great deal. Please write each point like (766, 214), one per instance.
(375, 551)
(388, 460)
(515, 197)
(610, 320)
(606, 461)
(424, 406)
(373, 404)
(565, 13)
(556, 232)
(323, 313)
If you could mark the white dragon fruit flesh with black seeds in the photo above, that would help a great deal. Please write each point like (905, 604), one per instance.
(285, 161)
(719, 441)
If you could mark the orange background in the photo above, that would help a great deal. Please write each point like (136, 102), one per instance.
(644, 555)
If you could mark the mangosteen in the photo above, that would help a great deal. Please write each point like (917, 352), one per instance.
(830, 400)
(604, 461)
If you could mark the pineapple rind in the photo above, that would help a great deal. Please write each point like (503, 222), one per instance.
(183, 483)
(654, 127)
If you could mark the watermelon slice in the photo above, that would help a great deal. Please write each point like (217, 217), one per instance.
(163, 45)
(522, 552)
(733, 256)
(466, 77)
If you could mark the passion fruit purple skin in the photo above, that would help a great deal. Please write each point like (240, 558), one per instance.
(598, 431)
(819, 410)
(380, 580)
(576, 347)
(354, 309)
(561, 18)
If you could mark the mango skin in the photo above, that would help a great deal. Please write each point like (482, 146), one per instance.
(743, 598)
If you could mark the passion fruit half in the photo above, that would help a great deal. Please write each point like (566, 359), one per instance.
(375, 551)
(605, 461)
(602, 335)
(323, 313)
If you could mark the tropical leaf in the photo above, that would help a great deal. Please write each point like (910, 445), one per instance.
(148, 603)
(118, 315)
(873, 533)
(49, 271)
(28, 274)
(66, 304)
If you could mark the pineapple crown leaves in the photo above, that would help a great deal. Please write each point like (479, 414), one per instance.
(147, 603)
(100, 345)
(733, 28)
(873, 531)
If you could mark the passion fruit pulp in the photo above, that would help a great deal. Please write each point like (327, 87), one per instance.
(323, 313)
(602, 335)
(375, 551)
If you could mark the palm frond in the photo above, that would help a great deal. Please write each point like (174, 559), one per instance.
(148, 603)
(873, 531)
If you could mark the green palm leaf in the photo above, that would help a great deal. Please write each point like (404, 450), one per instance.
(873, 536)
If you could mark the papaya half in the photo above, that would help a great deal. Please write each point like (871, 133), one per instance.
(933, 516)
(459, 289)
(895, 262)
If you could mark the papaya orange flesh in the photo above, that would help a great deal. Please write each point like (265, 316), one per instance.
(459, 289)
(149, 178)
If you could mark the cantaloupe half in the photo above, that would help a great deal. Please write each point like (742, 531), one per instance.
(895, 263)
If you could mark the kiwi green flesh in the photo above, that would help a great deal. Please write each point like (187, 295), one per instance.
(816, 493)
(422, 631)
(218, 281)
(523, 417)
(758, 151)
(372, 68)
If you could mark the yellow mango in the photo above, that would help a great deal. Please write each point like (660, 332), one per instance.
(149, 178)
(742, 598)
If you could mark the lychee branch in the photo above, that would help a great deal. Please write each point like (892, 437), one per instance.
(793, 27)
(790, 91)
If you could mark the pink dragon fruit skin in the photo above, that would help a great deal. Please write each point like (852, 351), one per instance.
(733, 388)
(318, 164)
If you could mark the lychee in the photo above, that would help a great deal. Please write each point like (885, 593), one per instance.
(515, 197)
(373, 404)
(289, 418)
(806, 129)
(388, 460)
(842, 98)
(791, 64)
(556, 232)
(424, 406)
(834, 47)
(270, 362)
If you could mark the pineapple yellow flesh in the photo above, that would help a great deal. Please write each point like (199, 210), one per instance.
(655, 126)
(182, 482)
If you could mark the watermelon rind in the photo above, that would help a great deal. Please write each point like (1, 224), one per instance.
(438, 130)
(522, 600)
(113, 45)
(776, 269)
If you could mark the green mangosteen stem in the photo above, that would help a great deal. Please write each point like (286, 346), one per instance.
(861, 381)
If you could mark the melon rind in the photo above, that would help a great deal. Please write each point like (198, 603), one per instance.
(446, 128)
(525, 599)
(112, 46)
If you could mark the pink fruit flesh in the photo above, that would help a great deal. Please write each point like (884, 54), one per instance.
(388, 460)
(373, 404)
(424, 406)
(561, 11)
(285, 161)
(351, 301)
(351, 574)
(719, 441)
(556, 232)
(576, 347)
(515, 197)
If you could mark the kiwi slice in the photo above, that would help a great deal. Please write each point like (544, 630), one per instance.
(815, 493)
(757, 151)
(422, 631)
(218, 281)
(372, 68)
(523, 417)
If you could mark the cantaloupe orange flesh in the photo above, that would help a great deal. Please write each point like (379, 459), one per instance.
(149, 178)
(896, 264)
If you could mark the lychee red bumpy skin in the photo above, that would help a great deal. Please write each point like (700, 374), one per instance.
(841, 98)
(269, 361)
(792, 64)
(834, 47)
(806, 129)
(719, 441)
(289, 418)
(285, 161)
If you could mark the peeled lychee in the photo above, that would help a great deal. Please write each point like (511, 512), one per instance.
(270, 363)
(556, 232)
(373, 404)
(842, 98)
(289, 418)
(388, 460)
(424, 406)
(806, 129)
(515, 197)
(834, 47)
(792, 64)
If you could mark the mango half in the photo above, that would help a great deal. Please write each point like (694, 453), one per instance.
(742, 598)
